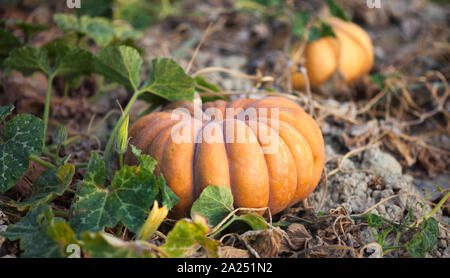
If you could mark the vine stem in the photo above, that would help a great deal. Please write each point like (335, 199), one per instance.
(435, 209)
(113, 135)
(42, 162)
(47, 104)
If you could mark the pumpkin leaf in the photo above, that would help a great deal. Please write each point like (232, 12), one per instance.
(145, 161)
(51, 184)
(168, 80)
(8, 42)
(73, 62)
(103, 245)
(298, 22)
(21, 137)
(187, 236)
(119, 64)
(97, 28)
(30, 29)
(28, 60)
(423, 241)
(42, 235)
(96, 8)
(128, 199)
(336, 10)
(214, 203)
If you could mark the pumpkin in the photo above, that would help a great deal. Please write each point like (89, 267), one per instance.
(350, 53)
(235, 158)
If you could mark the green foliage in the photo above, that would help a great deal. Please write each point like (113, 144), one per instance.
(28, 60)
(30, 29)
(96, 8)
(8, 42)
(216, 203)
(41, 234)
(336, 10)
(103, 245)
(324, 30)
(49, 185)
(128, 199)
(187, 236)
(374, 220)
(101, 30)
(168, 80)
(423, 241)
(298, 23)
(119, 64)
(21, 137)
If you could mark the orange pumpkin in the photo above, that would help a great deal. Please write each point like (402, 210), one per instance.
(351, 53)
(233, 151)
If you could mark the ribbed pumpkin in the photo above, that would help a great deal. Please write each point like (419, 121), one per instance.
(351, 53)
(276, 179)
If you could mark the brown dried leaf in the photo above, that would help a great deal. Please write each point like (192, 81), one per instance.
(263, 243)
(231, 252)
(297, 237)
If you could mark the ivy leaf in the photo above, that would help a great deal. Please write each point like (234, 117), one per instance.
(51, 184)
(166, 196)
(127, 199)
(374, 220)
(28, 60)
(187, 236)
(8, 42)
(168, 80)
(316, 33)
(103, 245)
(21, 137)
(41, 235)
(214, 203)
(5, 111)
(423, 242)
(336, 10)
(119, 64)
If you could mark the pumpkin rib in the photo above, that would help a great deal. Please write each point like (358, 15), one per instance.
(177, 166)
(248, 170)
(211, 160)
(280, 166)
(157, 147)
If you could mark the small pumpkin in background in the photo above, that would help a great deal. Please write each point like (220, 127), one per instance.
(258, 179)
(350, 53)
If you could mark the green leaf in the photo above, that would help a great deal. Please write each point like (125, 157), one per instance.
(166, 196)
(51, 184)
(373, 220)
(74, 63)
(21, 137)
(8, 42)
(97, 28)
(103, 245)
(128, 199)
(145, 161)
(119, 64)
(423, 241)
(188, 236)
(28, 60)
(201, 83)
(336, 10)
(255, 221)
(214, 203)
(168, 80)
(298, 22)
(42, 235)
(5, 111)
(316, 33)
(30, 29)
(96, 8)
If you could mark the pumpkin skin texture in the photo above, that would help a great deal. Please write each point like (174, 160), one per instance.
(232, 150)
(351, 53)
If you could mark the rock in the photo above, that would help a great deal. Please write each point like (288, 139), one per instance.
(381, 163)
